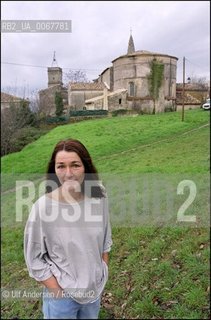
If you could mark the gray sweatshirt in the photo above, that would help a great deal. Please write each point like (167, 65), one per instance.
(67, 241)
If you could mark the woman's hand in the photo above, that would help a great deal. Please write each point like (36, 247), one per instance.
(105, 257)
(53, 287)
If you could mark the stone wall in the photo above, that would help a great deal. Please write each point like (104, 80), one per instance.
(117, 101)
(140, 105)
(76, 98)
(47, 99)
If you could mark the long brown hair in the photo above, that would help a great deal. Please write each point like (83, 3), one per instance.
(73, 145)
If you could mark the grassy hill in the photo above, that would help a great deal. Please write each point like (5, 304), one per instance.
(104, 137)
(159, 268)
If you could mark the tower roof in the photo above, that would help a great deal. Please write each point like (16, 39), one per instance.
(131, 47)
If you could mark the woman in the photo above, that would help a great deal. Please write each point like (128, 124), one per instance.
(68, 236)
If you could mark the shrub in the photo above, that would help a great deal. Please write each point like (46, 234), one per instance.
(78, 113)
(119, 112)
(62, 119)
(25, 136)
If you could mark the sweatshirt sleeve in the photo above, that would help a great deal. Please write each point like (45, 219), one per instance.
(107, 237)
(34, 247)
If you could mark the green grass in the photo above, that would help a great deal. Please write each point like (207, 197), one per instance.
(104, 137)
(158, 270)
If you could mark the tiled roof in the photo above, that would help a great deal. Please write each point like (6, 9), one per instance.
(86, 86)
(144, 53)
(5, 97)
(188, 98)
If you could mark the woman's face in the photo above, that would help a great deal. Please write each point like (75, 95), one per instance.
(69, 168)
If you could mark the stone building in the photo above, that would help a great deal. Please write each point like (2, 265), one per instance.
(108, 101)
(79, 92)
(195, 94)
(131, 72)
(8, 100)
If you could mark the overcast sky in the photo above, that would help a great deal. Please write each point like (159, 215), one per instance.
(100, 33)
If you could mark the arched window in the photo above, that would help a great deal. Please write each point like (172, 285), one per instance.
(131, 89)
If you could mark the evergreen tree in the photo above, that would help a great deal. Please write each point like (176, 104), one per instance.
(59, 104)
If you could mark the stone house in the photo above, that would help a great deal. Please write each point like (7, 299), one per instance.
(79, 92)
(7, 100)
(195, 94)
(108, 101)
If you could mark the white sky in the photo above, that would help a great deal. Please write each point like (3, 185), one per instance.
(100, 33)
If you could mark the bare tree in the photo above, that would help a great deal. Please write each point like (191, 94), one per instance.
(199, 80)
(7, 130)
(13, 119)
(76, 76)
(34, 102)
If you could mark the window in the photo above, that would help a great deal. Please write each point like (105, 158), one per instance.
(120, 101)
(131, 89)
